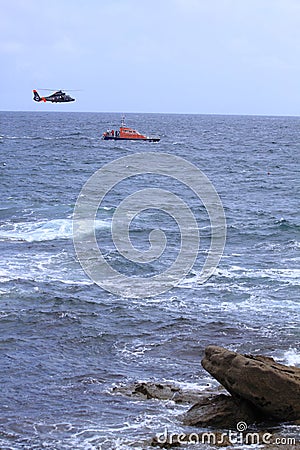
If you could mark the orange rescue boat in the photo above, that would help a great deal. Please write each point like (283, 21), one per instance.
(125, 133)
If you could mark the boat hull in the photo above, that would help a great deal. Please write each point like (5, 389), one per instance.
(118, 138)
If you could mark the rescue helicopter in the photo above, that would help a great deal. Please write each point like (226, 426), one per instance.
(56, 97)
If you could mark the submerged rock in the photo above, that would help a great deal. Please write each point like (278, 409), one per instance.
(160, 391)
(271, 388)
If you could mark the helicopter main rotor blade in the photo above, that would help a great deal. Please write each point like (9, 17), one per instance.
(52, 90)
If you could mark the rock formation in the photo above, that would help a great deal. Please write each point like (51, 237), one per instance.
(221, 411)
(259, 391)
(272, 388)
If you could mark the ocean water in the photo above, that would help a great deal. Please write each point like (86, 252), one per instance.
(65, 342)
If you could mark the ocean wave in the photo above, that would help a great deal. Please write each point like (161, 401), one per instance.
(290, 357)
(42, 268)
(241, 278)
(286, 225)
(282, 275)
(42, 230)
(74, 135)
(279, 247)
(262, 227)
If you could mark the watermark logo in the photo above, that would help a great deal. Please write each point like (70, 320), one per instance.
(242, 437)
(104, 180)
(241, 426)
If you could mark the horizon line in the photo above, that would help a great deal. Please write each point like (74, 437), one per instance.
(161, 113)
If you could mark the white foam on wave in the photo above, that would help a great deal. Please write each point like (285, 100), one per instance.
(292, 357)
(283, 275)
(4, 276)
(133, 433)
(203, 384)
(43, 267)
(235, 274)
(42, 230)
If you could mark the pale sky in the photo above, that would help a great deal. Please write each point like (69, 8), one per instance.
(164, 56)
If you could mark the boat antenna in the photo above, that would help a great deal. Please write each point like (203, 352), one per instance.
(123, 120)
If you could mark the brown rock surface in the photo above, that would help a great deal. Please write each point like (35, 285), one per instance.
(273, 388)
(221, 411)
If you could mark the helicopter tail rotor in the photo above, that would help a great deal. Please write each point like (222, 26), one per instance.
(36, 96)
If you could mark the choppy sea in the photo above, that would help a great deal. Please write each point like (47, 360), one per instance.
(65, 342)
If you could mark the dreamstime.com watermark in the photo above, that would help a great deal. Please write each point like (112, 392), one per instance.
(104, 180)
(241, 437)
